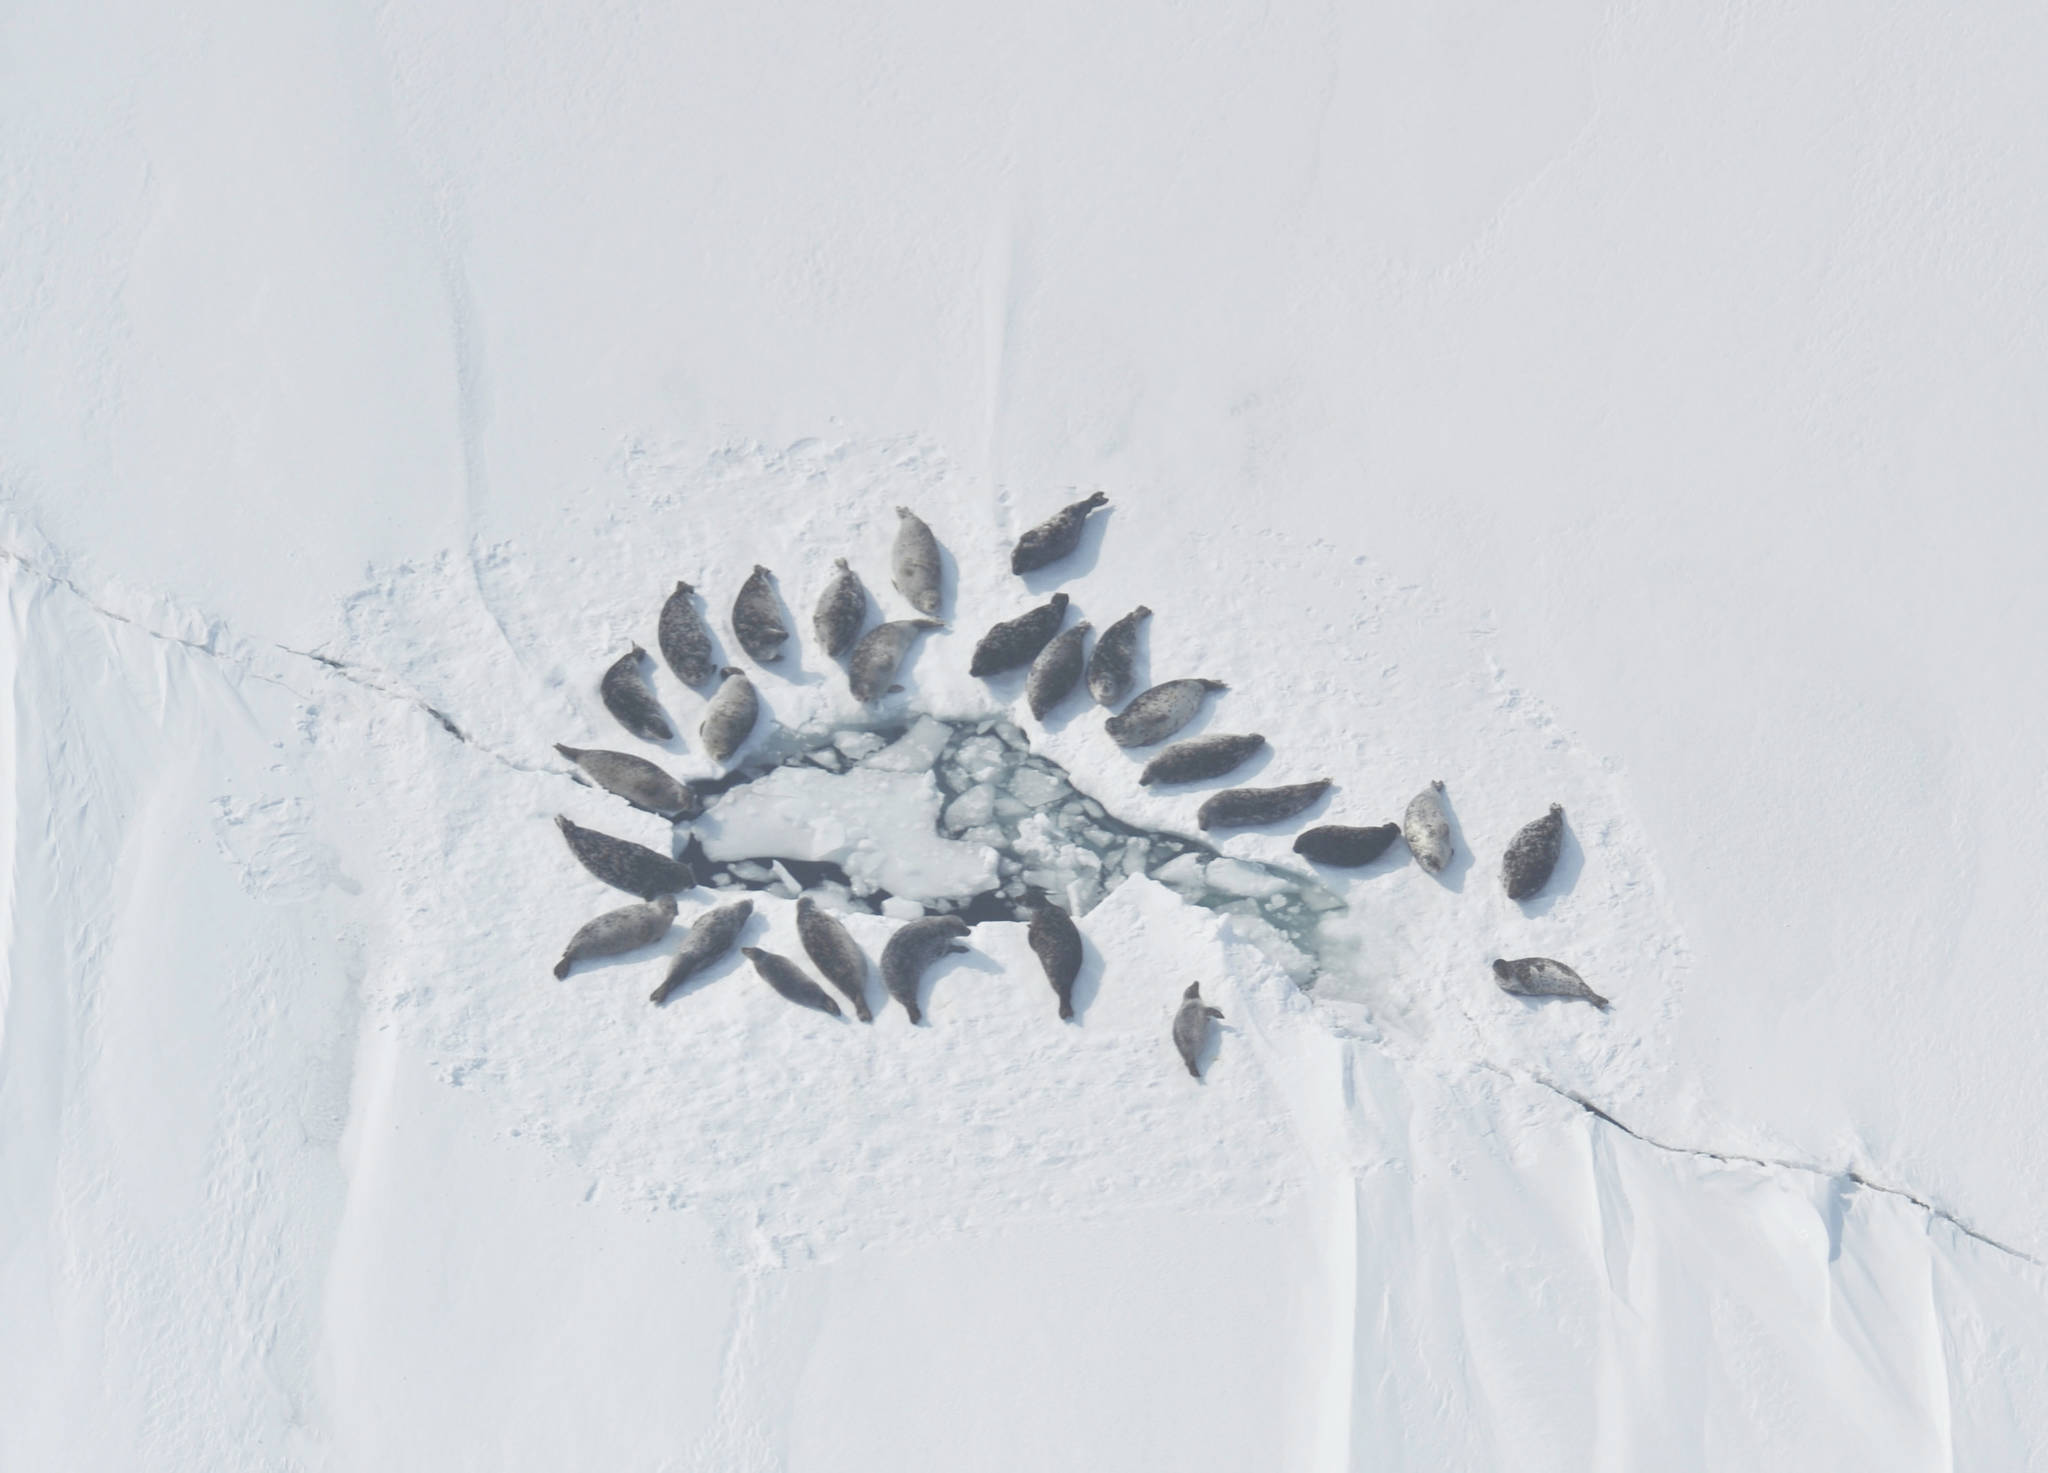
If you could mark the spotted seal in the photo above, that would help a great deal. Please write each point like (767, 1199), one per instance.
(871, 672)
(730, 717)
(834, 952)
(789, 979)
(914, 563)
(628, 928)
(842, 609)
(1427, 829)
(1056, 671)
(685, 642)
(1017, 641)
(1539, 976)
(912, 949)
(1201, 757)
(626, 695)
(757, 618)
(1111, 667)
(1191, 1027)
(710, 937)
(624, 865)
(1347, 848)
(1532, 854)
(1240, 808)
(1158, 713)
(636, 780)
(1055, 537)
(1056, 942)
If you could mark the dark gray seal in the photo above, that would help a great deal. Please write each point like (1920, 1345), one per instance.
(1240, 808)
(636, 780)
(1116, 656)
(1532, 855)
(911, 950)
(624, 865)
(1201, 757)
(1017, 641)
(1347, 848)
(1539, 976)
(1053, 538)
(1159, 712)
(685, 642)
(914, 563)
(757, 618)
(789, 979)
(710, 937)
(872, 671)
(1056, 671)
(834, 952)
(1191, 1027)
(628, 928)
(625, 694)
(1427, 829)
(729, 719)
(1056, 941)
(842, 609)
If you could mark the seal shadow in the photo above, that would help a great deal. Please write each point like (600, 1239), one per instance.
(1212, 1048)
(1571, 861)
(1452, 876)
(1080, 562)
(1087, 981)
(949, 587)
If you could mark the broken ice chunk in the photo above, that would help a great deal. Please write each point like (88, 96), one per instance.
(969, 809)
(1235, 877)
(1183, 874)
(915, 751)
(1036, 787)
(857, 744)
(901, 909)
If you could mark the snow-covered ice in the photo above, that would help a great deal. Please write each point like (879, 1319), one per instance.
(1629, 409)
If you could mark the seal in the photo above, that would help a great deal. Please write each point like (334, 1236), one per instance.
(1201, 757)
(1191, 1027)
(832, 950)
(625, 694)
(757, 618)
(1116, 655)
(1427, 829)
(789, 979)
(1055, 537)
(1539, 976)
(628, 928)
(624, 865)
(1347, 848)
(1017, 641)
(1056, 941)
(1532, 855)
(1239, 808)
(1056, 671)
(1159, 712)
(914, 563)
(710, 937)
(636, 780)
(842, 609)
(911, 950)
(729, 719)
(685, 642)
(871, 672)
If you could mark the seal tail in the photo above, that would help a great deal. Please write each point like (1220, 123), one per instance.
(1598, 1001)
(1067, 1008)
(660, 994)
(562, 967)
(916, 1016)
(863, 1012)
(1192, 1069)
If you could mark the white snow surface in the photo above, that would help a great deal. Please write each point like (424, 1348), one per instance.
(1635, 409)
